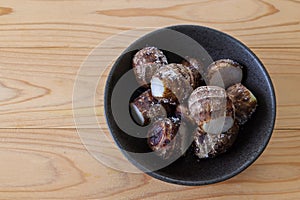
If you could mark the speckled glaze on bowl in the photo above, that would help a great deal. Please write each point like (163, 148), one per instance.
(253, 137)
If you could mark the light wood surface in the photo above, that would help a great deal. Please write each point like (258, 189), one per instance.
(44, 43)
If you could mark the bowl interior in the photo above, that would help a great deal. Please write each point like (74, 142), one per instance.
(188, 170)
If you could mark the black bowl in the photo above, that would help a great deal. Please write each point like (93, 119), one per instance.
(188, 170)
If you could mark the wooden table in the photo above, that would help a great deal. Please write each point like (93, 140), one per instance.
(42, 46)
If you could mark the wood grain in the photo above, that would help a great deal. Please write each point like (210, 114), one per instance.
(40, 94)
(63, 169)
(258, 23)
(42, 46)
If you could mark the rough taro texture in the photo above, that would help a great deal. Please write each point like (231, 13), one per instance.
(150, 108)
(176, 80)
(145, 63)
(196, 71)
(209, 102)
(144, 102)
(244, 102)
(162, 140)
(183, 114)
(211, 145)
(228, 78)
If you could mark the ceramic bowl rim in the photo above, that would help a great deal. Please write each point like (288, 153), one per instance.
(246, 164)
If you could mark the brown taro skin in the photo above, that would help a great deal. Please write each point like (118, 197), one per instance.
(210, 145)
(162, 140)
(176, 81)
(196, 71)
(226, 140)
(183, 114)
(149, 108)
(208, 103)
(205, 100)
(195, 63)
(145, 63)
(186, 124)
(244, 102)
(224, 73)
